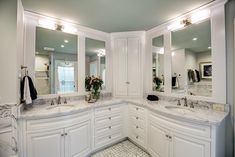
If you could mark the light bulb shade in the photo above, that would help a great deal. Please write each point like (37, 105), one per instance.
(199, 16)
(46, 23)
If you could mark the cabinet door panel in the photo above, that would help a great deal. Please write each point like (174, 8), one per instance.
(45, 144)
(185, 146)
(134, 67)
(158, 145)
(120, 59)
(78, 140)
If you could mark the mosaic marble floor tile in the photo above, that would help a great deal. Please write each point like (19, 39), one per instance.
(123, 149)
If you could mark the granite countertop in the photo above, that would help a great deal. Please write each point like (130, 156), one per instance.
(195, 115)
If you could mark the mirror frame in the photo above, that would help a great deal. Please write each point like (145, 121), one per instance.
(30, 24)
(217, 18)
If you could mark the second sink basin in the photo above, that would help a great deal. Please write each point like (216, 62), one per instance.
(59, 106)
(182, 110)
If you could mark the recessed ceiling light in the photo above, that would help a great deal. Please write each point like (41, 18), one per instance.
(62, 46)
(66, 41)
(194, 39)
(209, 47)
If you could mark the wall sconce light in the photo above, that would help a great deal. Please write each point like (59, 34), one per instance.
(192, 19)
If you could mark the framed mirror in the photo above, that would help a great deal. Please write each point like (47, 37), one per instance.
(55, 62)
(95, 59)
(158, 63)
(192, 60)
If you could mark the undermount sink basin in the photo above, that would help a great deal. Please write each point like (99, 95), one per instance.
(59, 107)
(179, 109)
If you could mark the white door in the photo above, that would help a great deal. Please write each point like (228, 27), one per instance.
(78, 140)
(46, 144)
(120, 60)
(158, 143)
(134, 67)
(186, 146)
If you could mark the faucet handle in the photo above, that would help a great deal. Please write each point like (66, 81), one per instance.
(178, 103)
(191, 105)
(52, 102)
(65, 101)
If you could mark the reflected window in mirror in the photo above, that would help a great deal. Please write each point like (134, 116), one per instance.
(192, 60)
(55, 62)
(95, 59)
(158, 63)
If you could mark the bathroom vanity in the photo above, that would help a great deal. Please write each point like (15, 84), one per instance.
(162, 129)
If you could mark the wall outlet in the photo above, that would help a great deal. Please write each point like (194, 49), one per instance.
(218, 107)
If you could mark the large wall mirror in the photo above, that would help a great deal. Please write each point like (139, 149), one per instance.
(55, 62)
(192, 60)
(158, 64)
(95, 59)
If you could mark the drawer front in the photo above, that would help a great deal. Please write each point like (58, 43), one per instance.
(141, 140)
(138, 130)
(107, 139)
(137, 110)
(102, 122)
(57, 122)
(109, 110)
(108, 130)
(181, 127)
(138, 121)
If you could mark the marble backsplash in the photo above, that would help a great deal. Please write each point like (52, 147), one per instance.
(5, 110)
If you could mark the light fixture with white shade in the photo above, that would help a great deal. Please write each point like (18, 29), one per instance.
(47, 23)
(199, 16)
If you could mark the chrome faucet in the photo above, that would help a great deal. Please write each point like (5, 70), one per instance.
(185, 101)
(59, 100)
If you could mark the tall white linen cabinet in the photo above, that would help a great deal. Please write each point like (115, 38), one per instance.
(128, 51)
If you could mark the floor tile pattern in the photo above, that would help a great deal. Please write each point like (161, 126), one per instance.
(123, 149)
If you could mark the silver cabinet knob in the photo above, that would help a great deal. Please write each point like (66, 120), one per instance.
(110, 137)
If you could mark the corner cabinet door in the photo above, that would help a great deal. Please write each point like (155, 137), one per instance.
(134, 67)
(158, 143)
(45, 144)
(120, 64)
(186, 146)
(78, 140)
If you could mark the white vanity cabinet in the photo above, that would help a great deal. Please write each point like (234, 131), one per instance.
(127, 66)
(170, 138)
(137, 130)
(109, 125)
(65, 136)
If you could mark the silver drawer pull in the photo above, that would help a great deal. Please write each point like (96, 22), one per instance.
(110, 137)
(137, 108)
(110, 127)
(62, 134)
(137, 137)
(137, 127)
(110, 109)
(137, 118)
(110, 118)
(65, 134)
(167, 136)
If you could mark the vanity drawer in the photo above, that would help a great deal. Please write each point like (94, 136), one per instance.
(57, 122)
(139, 130)
(108, 139)
(181, 127)
(137, 121)
(106, 121)
(106, 111)
(136, 110)
(139, 139)
(108, 130)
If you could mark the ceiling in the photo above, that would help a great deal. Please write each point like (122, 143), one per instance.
(114, 15)
(54, 39)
